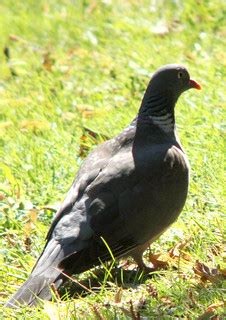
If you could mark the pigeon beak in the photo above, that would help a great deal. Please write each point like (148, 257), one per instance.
(194, 84)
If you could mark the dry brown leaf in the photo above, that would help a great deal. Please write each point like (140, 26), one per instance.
(211, 309)
(167, 301)
(68, 116)
(88, 136)
(79, 52)
(2, 196)
(216, 250)
(83, 148)
(48, 61)
(175, 252)
(86, 111)
(214, 306)
(31, 220)
(206, 273)
(34, 125)
(152, 291)
(27, 244)
(14, 37)
(190, 56)
(118, 295)
(29, 226)
(157, 262)
(163, 260)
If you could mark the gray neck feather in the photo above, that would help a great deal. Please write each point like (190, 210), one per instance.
(160, 110)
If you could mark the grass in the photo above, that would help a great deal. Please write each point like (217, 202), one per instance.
(85, 64)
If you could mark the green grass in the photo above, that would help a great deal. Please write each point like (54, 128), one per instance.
(98, 59)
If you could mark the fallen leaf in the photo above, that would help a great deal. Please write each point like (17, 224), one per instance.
(163, 260)
(27, 244)
(118, 295)
(68, 116)
(83, 147)
(86, 111)
(14, 37)
(211, 309)
(78, 52)
(29, 227)
(31, 220)
(206, 273)
(216, 250)
(88, 138)
(175, 252)
(48, 61)
(95, 134)
(34, 125)
(152, 291)
(2, 196)
(157, 262)
(215, 306)
(166, 301)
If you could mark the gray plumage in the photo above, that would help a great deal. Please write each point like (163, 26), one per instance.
(127, 192)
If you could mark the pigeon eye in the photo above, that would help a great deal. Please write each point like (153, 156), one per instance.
(180, 74)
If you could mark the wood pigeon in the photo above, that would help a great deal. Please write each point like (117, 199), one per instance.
(128, 191)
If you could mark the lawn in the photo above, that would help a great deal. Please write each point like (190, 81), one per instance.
(72, 74)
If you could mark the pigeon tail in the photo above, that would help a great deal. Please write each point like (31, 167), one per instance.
(34, 289)
(44, 273)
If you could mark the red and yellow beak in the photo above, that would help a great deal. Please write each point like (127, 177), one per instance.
(194, 84)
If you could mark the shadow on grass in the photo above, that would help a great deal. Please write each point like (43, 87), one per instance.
(99, 279)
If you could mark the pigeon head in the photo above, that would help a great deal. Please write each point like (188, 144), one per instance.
(165, 87)
(172, 78)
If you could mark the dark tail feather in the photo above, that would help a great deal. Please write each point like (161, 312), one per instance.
(44, 273)
(34, 289)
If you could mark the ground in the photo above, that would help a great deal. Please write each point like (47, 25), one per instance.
(72, 74)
